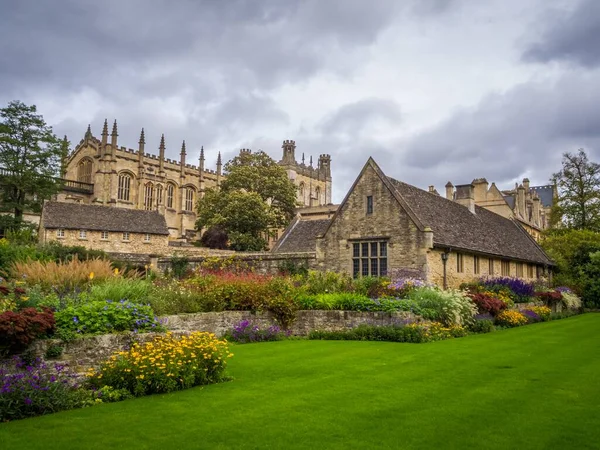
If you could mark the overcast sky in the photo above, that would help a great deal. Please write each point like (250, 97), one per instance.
(434, 90)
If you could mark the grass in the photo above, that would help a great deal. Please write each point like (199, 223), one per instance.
(534, 387)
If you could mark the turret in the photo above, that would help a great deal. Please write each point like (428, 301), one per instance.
(289, 152)
(325, 165)
(449, 191)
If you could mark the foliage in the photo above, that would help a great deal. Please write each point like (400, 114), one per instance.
(260, 174)
(179, 265)
(510, 319)
(549, 298)
(543, 312)
(216, 265)
(482, 326)
(54, 351)
(215, 237)
(31, 153)
(578, 183)
(570, 300)
(452, 307)
(36, 389)
(317, 282)
(68, 276)
(165, 364)
(487, 304)
(289, 267)
(108, 394)
(374, 287)
(19, 329)
(244, 216)
(531, 316)
(106, 316)
(414, 332)
(246, 332)
(590, 280)
(520, 291)
(351, 301)
(119, 288)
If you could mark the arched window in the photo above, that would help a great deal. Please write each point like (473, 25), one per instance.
(170, 195)
(84, 171)
(159, 194)
(301, 192)
(189, 199)
(149, 197)
(124, 190)
(318, 195)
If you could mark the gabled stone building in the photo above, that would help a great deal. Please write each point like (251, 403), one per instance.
(384, 225)
(106, 174)
(113, 230)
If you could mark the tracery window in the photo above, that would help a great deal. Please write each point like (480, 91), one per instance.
(149, 197)
(124, 187)
(189, 200)
(84, 171)
(170, 195)
(159, 194)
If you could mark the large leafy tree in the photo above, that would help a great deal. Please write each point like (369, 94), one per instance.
(255, 198)
(30, 158)
(578, 184)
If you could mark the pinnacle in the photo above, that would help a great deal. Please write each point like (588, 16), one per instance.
(142, 137)
(105, 128)
(114, 129)
(183, 148)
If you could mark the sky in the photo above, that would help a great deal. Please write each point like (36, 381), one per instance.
(433, 90)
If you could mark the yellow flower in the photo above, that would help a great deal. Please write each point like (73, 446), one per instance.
(116, 271)
(91, 275)
(24, 298)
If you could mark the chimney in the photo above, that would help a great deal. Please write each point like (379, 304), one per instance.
(526, 184)
(449, 191)
(465, 195)
(521, 202)
(481, 189)
(536, 216)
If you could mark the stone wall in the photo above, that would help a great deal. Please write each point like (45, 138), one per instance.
(91, 351)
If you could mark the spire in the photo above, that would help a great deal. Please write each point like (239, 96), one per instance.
(219, 169)
(113, 138)
(141, 144)
(183, 148)
(201, 168)
(105, 132)
(161, 156)
(219, 160)
(182, 154)
(310, 161)
(302, 158)
(88, 133)
(142, 140)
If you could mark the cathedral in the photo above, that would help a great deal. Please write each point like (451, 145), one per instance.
(99, 172)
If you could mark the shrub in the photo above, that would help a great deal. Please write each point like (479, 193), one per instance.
(510, 319)
(542, 311)
(487, 304)
(374, 287)
(452, 307)
(119, 288)
(179, 265)
(569, 299)
(67, 276)
(550, 298)
(245, 332)
(531, 316)
(215, 237)
(165, 364)
(19, 329)
(102, 317)
(482, 326)
(291, 267)
(415, 333)
(521, 291)
(35, 389)
(325, 282)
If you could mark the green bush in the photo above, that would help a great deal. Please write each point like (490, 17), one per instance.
(325, 282)
(118, 288)
(452, 307)
(179, 265)
(482, 326)
(101, 317)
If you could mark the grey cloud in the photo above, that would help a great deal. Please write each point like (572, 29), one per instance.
(571, 36)
(523, 131)
(352, 118)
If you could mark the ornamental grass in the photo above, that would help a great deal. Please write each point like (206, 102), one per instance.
(168, 363)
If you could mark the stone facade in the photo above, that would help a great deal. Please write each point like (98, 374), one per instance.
(110, 242)
(354, 225)
(127, 178)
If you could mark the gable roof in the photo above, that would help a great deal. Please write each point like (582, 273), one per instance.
(301, 236)
(76, 216)
(454, 226)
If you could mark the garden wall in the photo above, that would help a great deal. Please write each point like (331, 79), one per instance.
(90, 351)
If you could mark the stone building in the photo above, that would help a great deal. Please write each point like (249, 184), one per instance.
(114, 230)
(529, 205)
(384, 225)
(106, 174)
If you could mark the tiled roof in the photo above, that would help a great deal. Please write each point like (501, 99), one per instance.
(546, 194)
(455, 226)
(75, 216)
(301, 236)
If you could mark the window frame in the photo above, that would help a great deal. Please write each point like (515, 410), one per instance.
(170, 200)
(82, 234)
(124, 187)
(60, 233)
(188, 200)
(460, 263)
(476, 264)
(147, 237)
(369, 258)
(491, 266)
(126, 237)
(505, 268)
(104, 235)
(369, 205)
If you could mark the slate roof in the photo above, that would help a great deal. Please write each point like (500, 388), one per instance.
(301, 236)
(546, 194)
(456, 227)
(75, 216)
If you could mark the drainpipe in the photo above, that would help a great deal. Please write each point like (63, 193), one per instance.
(444, 261)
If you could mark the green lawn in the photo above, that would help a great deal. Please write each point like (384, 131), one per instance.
(532, 387)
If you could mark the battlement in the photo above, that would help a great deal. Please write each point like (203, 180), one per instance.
(245, 150)
(289, 142)
(325, 156)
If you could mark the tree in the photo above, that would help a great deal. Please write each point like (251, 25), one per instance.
(30, 156)
(243, 216)
(578, 186)
(256, 198)
(258, 172)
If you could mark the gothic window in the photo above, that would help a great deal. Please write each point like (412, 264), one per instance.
(159, 194)
(149, 197)
(170, 195)
(318, 195)
(301, 192)
(189, 199)
(124, 187)
(369, 258)
(84, 171)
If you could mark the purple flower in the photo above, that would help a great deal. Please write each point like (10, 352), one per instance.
(75, 319)
(28, 401)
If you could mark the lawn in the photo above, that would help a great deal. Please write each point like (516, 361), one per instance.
(534, 387)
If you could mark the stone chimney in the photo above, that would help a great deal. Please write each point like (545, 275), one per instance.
(521, 201)
(481, 189)
(449, 191)
(536, 216)
(465, 195)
